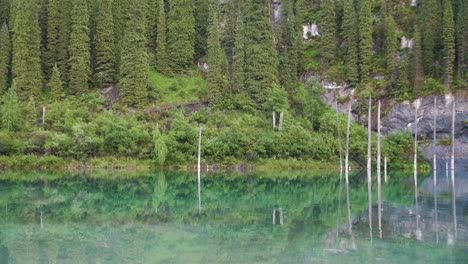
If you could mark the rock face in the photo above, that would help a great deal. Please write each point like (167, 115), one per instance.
(400, 117)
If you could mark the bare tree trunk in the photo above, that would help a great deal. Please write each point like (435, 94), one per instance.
(274, 216)
(199, 169)
(436, 213)
(369, 164)
(379, 174)
(274, 119)
(385, 169)
(281, 216)
(281, 121)
(416, 165)
(347, 169)
(452, 168)
(43, 116)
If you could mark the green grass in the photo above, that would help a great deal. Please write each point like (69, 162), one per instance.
(174, 90)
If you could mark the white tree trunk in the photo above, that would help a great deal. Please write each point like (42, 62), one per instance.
(274, 119)
(369, 163)
(452, 168)
(347, 169)
(281, 121)
(379, 175)
(199, 169)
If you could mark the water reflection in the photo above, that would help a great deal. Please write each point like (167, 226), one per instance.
(153, 218)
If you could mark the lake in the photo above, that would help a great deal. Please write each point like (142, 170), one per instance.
(258, 217)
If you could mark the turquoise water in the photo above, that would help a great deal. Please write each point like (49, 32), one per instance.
(116, 217)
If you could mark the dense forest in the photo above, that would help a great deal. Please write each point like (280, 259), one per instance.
(236, 61)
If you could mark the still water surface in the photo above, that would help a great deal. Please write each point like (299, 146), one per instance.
(274, 217)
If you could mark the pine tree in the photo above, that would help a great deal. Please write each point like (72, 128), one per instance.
(56, 85)
(350, 37)
(5, 49)
(162, 60)
(261, 57)
(180, 35)
(121, 16)
(58, 34)
(152, 17)
(79, 51)
(104, 44)
(430, 25)
(202, 11)
(462, 38)
(4, 11)
(11, 115)
(239, 60)
(217, 77)
(134, 67)
(328, 42)
(418, 71)
(29, 114)
(391, 45)
(299, 10)
(27, 50)
(365, 40)
(43, 22)
(449, 42)
(288, 54)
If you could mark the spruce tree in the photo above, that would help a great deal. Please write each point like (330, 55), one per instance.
(462, 38)
(152, 17)
(289, 52)
(217, 62)
(261, 57)
(43, 22)
(5, 49)
(162, 59)
(4, 11)
(58, 34)
(56, 85)
(299, 13)
(449, 42)
(239, 59)
(391, 45)
(29, 114)
(27, 50)
(121, 16)
(365, 40)
(104, 44)
(328, 40)
(180, 34)
(79, 50)
(134, 67)
(418, 70)
(430, 26)
(350, 39)
(11, 115)
(202, 14)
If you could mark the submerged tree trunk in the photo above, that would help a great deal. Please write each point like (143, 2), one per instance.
(347, 170)
(416, 166)
(435, 169)
(452, 168)
(369, 164)
(379, 176)
(199, 169)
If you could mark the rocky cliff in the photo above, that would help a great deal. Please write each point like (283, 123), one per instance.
(398, 116)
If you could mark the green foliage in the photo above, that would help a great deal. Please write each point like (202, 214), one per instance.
(58, 34)
(449, 42)
(10, 144)
(160, 147)
(202, 22)
(11, 115)
(5, 48)
(431, 19)
(239, 59)
(56, 85)
(350, 35)
(134, 67)
(104, 44)
(27, 50)
(433, 86)
(217, 78)
(288, 60)
(180, 35)
(79, 62)
(278, 100)
(182, 141)
(30, 114)
(328, 27)
(162, 59)
(365, 40)
(261, 57)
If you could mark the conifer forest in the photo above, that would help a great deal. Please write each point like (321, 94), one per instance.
(131, 81)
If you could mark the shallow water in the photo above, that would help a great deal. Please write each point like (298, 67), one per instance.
(113, 217)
